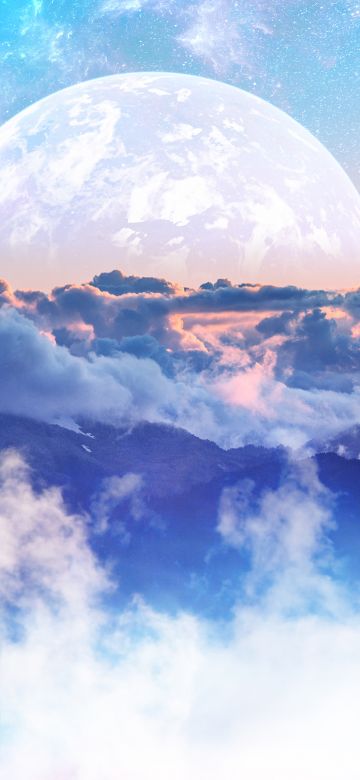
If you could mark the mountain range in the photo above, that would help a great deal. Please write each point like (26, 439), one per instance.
(151, 493)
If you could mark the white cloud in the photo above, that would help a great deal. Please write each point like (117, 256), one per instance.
(286, 534)
(285, 527)
(41, 545)
(113, 491)
(88, 693)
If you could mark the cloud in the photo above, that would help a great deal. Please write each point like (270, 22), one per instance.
(89, 690)
(107, 295)
(276, 325)
(276, 413)
(44, 551)
(352, 302)
(286, 534)
(113, 492)
(117, 283)
(43, 380)
(5, 292)
(320, 352)
(236, 364)
(116, 307)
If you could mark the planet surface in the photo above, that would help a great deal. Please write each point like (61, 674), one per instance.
(176, 176)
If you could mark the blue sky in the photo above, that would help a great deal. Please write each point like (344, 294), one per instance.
(302, 56)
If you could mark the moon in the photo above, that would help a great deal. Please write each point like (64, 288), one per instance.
(171, 175)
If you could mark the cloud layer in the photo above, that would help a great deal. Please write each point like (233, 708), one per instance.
(236, 364)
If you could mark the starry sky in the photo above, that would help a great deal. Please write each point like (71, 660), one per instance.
(301, 56)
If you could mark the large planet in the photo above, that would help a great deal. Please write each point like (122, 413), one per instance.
(175, 176)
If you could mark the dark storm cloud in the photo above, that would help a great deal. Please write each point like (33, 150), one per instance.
(112, 315)
(117, 306)
(71, 304)
(226, 297)
(319, 354)
(116, 283)
(276, 325)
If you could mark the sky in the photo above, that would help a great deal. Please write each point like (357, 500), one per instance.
(301, 56)
(180, 466)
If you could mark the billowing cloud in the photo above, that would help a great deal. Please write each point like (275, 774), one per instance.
(321, 352)
(90, 690)
(236, 364)
(290, 552)
(43, 380)
(44, 552)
